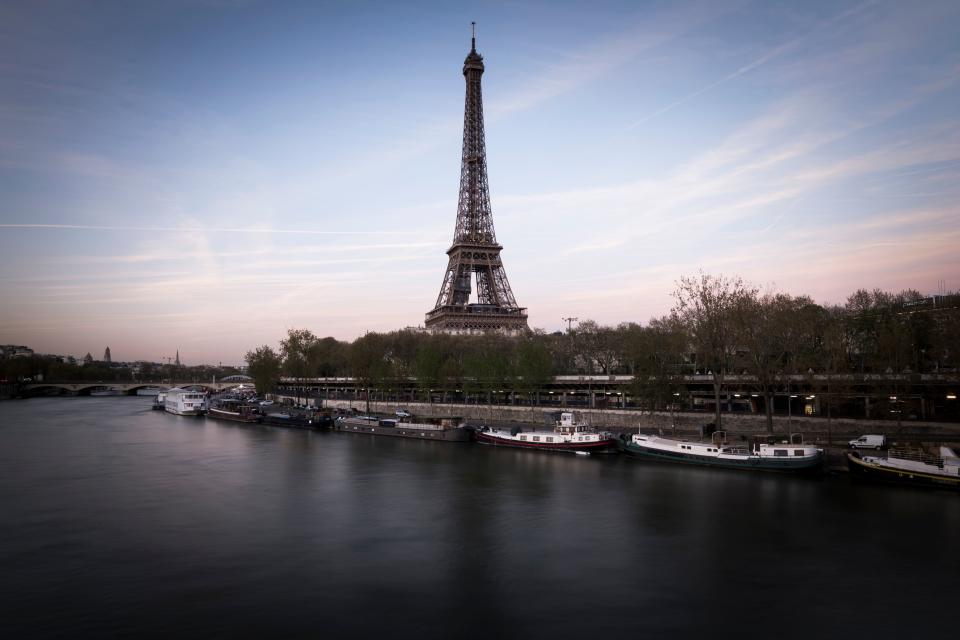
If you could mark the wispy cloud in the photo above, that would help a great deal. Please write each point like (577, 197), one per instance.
(557, 71)
(815, 146)
(205, 229)
(766, 57)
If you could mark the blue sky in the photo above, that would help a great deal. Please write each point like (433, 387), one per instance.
(206, 174)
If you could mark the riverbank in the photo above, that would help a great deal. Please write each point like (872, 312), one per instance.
(685, 424)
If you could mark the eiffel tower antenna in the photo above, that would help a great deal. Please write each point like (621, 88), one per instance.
(475, 253)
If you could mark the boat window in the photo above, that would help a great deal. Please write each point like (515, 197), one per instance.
(536, 438)
(523, 437)
(549, 439)
(780, 452)
(798, 452)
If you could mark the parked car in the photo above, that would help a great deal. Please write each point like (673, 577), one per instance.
(403, 413)
(870, 441)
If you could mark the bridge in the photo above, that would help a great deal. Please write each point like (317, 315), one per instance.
(125, 388)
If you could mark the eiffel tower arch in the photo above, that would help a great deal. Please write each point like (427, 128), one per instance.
(474, 256)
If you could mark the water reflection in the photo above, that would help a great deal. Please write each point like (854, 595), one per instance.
(122, 516)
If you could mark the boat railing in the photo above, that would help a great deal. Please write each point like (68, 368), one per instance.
(916, 456)
(735, 450)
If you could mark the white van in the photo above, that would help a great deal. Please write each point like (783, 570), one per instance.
(869, 442)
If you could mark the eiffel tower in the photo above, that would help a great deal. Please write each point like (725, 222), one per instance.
(475, 253)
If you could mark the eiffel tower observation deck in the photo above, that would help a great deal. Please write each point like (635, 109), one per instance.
(474, 257)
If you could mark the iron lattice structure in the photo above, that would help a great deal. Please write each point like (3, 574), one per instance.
(475, 252)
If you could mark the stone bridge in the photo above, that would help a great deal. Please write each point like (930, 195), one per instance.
(125, 388)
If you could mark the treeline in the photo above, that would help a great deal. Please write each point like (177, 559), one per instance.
(718, 326)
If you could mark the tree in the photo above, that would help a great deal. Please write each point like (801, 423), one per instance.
(777, 336)
(534, 365)
(705, 307)
(369, 362)
(654, 356)
(296, 348)
(263, 364)
(426, 367)
(595, 347)
(832, 358)
(327, 357)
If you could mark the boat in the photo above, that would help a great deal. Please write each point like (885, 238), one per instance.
(233, 409)
(184, 402)
(445, 429)
(148, 391)
(790, 455)
(299, 420)
(111, 391)
(159, 401)
(568, 435)
(901, 466)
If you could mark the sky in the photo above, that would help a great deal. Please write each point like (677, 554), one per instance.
(203, 175)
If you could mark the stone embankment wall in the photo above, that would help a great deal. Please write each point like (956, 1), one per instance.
(682, 423)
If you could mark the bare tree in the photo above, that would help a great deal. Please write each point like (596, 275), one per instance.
(706, 307)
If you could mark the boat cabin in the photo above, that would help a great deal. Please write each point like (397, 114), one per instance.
(568, 425)
(793, 446)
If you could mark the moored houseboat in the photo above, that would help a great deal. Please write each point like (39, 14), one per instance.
(233, 409)
(309, 419)
(791, 455)
(916, 468)
(160, 400)
(445, 429)
(148, 391)
(568, 435)
(106, 391)
(184, 402)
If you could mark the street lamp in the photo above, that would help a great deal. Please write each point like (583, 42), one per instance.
(896, 409)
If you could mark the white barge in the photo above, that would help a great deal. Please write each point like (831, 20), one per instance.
(917, 468)
(791, 455)
(184, 402)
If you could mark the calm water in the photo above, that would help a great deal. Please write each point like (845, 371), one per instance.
(116, 520)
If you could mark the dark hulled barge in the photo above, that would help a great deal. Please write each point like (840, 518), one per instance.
(310, 419)
(234, 410)
(444, 429)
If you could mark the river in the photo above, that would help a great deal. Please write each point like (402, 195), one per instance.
(118, 521)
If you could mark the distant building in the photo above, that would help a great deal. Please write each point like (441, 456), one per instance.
(106, 355)
(15, 351)
(177, 361)
(87, 359)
